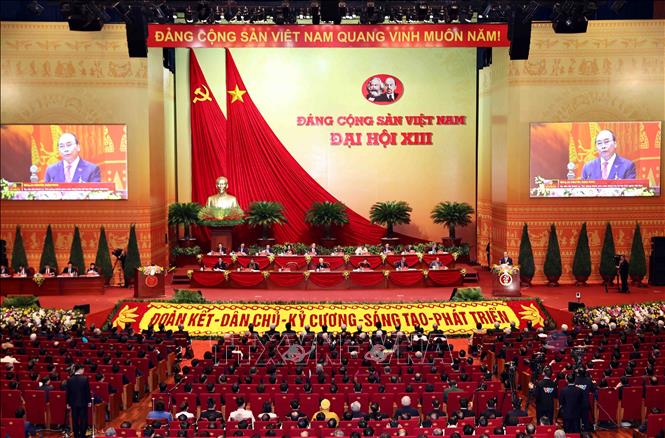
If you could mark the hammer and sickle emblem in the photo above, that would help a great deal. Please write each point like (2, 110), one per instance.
(201, 96)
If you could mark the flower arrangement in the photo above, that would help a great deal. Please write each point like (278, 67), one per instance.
(186, 251)
(38, 279)
(221, 217)
(621, 315)
(500, 269)
(152, 270)
(39, 320)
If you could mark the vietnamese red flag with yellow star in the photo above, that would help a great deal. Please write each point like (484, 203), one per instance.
(260, 168)
(208, 135)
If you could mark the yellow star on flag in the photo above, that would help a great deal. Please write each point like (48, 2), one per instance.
(236, 94)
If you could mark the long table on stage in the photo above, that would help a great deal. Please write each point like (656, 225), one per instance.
(327, 280)
(52, 286)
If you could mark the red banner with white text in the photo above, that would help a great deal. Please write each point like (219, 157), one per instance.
(316, 36)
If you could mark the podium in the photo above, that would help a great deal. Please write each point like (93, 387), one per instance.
(221, 235)
(148, 286)
(506, 281)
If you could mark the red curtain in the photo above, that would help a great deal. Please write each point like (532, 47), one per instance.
(406, 278)
(335, 262)
(208, 126)
(282, 261)
(445, 277)
(326, 279)
(367, 278)
(246, 279)
(286, 279)
(261, 168)
(208, 278)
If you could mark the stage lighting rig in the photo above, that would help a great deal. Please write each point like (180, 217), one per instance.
(35, 7)
(315, 12)
(189, 15)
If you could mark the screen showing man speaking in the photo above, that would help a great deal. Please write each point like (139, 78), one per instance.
(70, 162)
(590, 159)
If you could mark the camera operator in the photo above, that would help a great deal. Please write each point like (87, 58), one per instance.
(584, 382)
(623, 268)
(544, 393)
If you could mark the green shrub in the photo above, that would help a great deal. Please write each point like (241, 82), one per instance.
(525, 258)
(468, 294)
(18, 251)
(48, 252)
(638, 261)
(21, 301)
(188, 296)
(552, 266)
(608, 269)
(582, 259)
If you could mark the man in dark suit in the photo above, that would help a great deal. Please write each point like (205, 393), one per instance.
(402, 264)
(72, 168)
(608, 165)
(505, 260)
(571, 399)
(391, 86)
(78, 400)
(70, 270)
(47, 271)
(322, 264)
(220, 265)
(584, 382)
(624, 267)
(544, 393)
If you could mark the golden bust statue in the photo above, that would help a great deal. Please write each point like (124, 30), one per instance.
(222, 199)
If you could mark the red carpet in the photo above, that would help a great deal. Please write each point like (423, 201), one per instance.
(555, 299)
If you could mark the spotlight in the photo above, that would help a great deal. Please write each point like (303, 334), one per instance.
(35, 8)
(530, 10)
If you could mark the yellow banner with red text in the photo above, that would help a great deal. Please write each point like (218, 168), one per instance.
(218, 319)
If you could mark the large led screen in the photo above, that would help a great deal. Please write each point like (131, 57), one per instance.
(595, 159)
(63, 162)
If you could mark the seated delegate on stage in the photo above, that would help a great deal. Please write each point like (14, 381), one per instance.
(608, 165)
(322, 265)
(252, 265)
(266, 251)
(92, 271)
(436, 264)
(338, 251)
(4, 271)
(220, 265)
(361, 250)
(242, 250)
(22, 271)
(364, 265)
(387, 249)
(313, 250)
(433, 249)
(70, 270)
(72, 168)
(408, 249)
(402, 264)
(220, 250)
(47, 271)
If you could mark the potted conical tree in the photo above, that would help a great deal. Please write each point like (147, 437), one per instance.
(76, 252)
(451, 215)
(185, 214)
(133, 258)
(582, 259)
(265, 214)
(552, 267)
(525, 260)
(638, 261)
(390, 213)
(325, 215)
(608, 269)
(48, 252)
(103, 258)
(18, 251)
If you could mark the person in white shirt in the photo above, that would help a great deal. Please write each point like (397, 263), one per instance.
(184, 410)
(241, 413)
